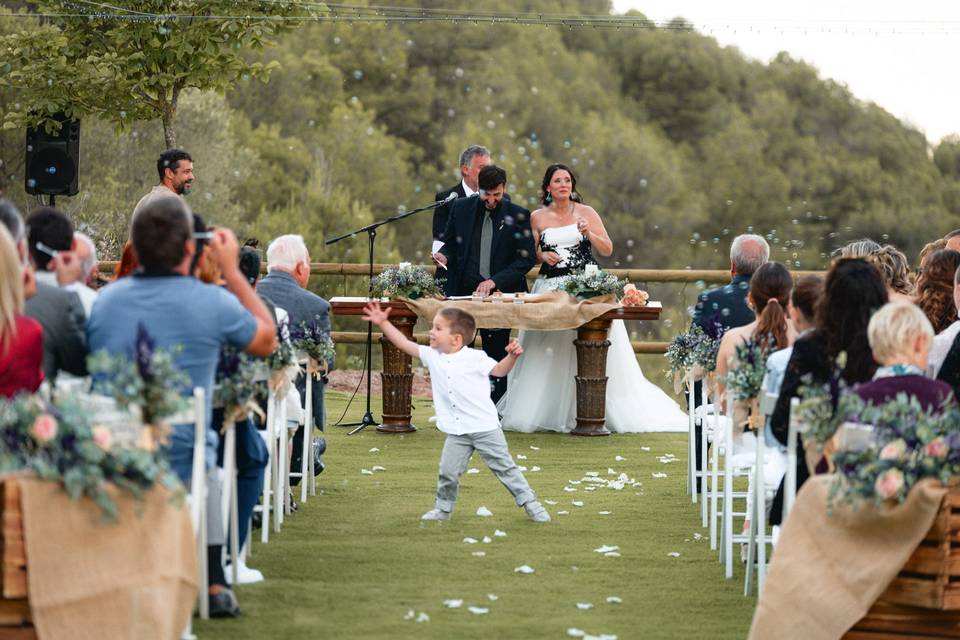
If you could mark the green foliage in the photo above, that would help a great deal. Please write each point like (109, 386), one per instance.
(86, 63)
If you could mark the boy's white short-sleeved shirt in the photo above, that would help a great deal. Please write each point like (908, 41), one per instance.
(461, 390)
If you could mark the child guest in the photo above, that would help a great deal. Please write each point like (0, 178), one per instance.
(461, 398)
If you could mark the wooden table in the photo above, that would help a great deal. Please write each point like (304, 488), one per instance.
(591, 376)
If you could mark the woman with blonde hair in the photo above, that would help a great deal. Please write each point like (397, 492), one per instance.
(895, 271)
(21, 338)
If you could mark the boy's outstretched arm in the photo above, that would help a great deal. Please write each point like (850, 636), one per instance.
(514, 351)
(380, 317)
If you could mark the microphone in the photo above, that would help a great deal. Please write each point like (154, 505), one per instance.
(450, 198)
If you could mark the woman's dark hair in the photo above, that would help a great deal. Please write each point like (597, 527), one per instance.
(935, 288)
(770, 288)
(852, 292)
(548, 176)
(806, 294)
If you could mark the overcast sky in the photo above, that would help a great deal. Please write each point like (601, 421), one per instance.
(902, 55)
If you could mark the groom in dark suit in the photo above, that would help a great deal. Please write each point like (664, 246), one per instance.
(489, 248)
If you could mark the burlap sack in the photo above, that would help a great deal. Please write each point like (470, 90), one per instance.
(550, 311)
(135, 579)
(828, 570)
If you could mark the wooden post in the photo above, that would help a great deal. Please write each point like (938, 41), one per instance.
(592, 345)
(397, 381)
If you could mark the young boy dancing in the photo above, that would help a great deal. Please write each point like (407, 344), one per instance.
(461, 397)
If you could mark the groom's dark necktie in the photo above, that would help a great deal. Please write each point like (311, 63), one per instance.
(486, 239)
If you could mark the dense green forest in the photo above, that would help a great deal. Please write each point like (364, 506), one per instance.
(678, 142)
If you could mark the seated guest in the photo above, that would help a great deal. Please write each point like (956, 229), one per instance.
(900, 337)
(86, 253)
(10, 218)
(934, 292)
(895, 271)
(803, 301)
(952, 240)
(288, 273)
(853, 290)
(857, 249)
(929, 249)
(59, 311)
(193, 320)
(21, 338)
(944, 341)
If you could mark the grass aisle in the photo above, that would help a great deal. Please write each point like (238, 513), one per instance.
(356, 559)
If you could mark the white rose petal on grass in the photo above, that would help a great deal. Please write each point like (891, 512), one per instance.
(698, 536)
(574, 481)
(592, 474)
(374, 450)
(535, 468)
(613, 554)
(378, 468)
(607, 548)
(470, 541)
(492, 597)
(614, 600)
(563, 513)
(524, 568)
(589, 488)
(366, 472)
(644, 448)
(479, 554)
(659, 475)
(423, 617)
(577, 503)
(535, 448)
(603, 513)
(472, 470)
(522, 468)
(584, 606)
(483, 512)
(619, 458)
(551, 502)
(487, 540)
(611, 472)
(410, 614)
(573, 632)
(569, 489)
(453, 604)
(478, 610)
(520, 456)
(500, 534)
(674, 554)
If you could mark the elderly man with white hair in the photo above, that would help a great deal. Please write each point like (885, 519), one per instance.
(288, 272)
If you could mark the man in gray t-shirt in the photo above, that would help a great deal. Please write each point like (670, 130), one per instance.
(175, 167)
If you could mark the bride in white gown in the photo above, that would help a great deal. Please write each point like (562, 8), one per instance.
(541, 390)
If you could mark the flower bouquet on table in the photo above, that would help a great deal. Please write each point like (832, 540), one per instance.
(150, 384)
(405, 281)
(593, 282)
(633, 297)
(315, 342)
(59, 443)
(906, 445)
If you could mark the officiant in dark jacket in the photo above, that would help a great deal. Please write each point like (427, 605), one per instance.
(489, 247)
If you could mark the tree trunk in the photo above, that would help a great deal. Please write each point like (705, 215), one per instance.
(169, 130)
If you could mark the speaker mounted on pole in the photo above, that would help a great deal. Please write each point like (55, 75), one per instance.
(53, 160)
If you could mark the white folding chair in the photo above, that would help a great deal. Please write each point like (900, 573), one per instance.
(691, 438)
(757, 545)
(196, 414)
(735, 464)
(270, 437)
(306, 461)
(228, 497)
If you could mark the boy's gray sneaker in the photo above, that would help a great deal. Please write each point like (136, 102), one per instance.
(436, 514)
(536, 511)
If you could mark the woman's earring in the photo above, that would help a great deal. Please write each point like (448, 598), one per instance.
(547, 199)
(574, 196)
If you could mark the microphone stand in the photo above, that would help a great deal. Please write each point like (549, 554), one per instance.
(371, 230)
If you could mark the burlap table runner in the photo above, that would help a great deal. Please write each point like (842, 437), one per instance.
(828, 570)
(133, 579)
(549, 311)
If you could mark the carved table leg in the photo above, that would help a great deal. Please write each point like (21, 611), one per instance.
(397, 382)
(592, 345)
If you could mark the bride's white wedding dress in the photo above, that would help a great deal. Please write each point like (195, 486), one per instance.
(541, 390)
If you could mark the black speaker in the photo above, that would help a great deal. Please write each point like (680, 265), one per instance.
(53, 160)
